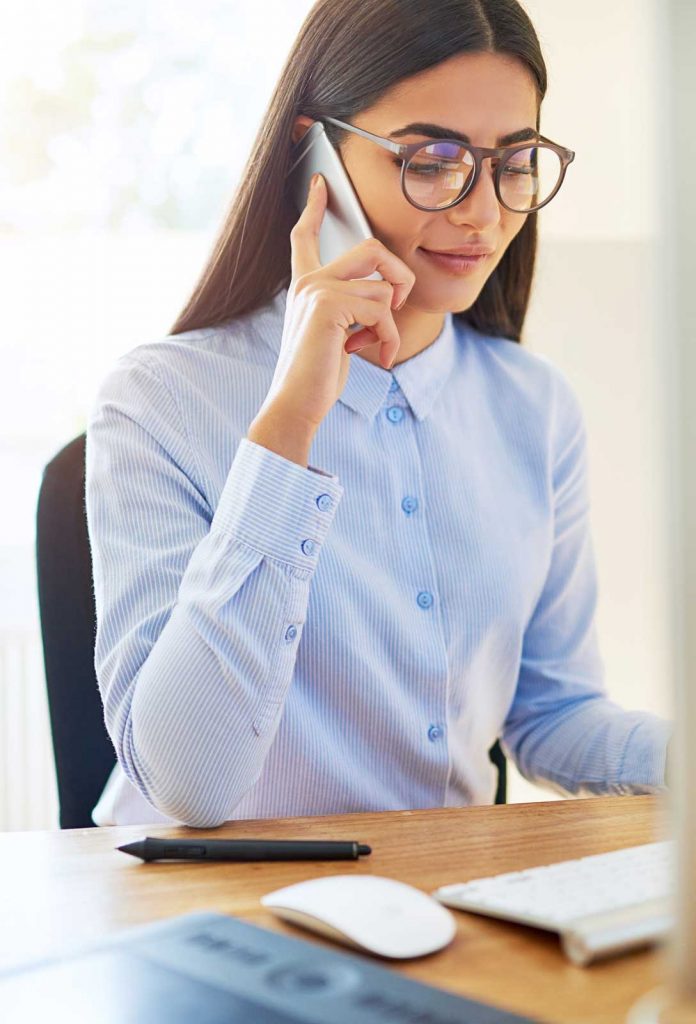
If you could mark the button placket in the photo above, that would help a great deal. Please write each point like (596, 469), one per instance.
(425, 599)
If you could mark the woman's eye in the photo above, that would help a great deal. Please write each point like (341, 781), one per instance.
(421, 169)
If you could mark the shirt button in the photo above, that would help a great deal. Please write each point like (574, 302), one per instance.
(409, 505)
(425, 599)
(394, 386)
(290, 633)
(307, 547)
(435, 732)
(324, 502)
(395, 413)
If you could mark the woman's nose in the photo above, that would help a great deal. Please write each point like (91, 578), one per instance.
(480, 207)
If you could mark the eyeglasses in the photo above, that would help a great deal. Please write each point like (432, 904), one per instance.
(437, 175)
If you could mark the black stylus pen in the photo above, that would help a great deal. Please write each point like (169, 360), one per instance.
(243, 849)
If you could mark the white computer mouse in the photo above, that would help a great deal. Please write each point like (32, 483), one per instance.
(374, 914)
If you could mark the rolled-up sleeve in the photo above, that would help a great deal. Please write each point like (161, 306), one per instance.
(199, 610)
(562, 730)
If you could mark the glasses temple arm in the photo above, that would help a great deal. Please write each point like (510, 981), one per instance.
(395, 147)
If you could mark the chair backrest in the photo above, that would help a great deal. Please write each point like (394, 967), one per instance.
(498, 758)
(82, 748)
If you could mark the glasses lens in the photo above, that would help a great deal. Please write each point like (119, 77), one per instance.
(529, 176)
(436, 174)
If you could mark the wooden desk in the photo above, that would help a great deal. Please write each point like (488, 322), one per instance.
(62, 888)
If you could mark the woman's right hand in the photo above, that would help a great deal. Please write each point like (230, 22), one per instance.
(322, 303)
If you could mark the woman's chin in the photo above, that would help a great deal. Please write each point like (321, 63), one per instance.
(433, 294)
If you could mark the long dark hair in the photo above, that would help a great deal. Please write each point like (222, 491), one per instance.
(347, 54)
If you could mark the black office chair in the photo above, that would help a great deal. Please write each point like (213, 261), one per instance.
(82, 749)
(498, 758)
(83, 752)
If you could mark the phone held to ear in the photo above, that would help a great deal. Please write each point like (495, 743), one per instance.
(344, 224)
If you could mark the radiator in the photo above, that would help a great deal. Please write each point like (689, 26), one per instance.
(28, 795)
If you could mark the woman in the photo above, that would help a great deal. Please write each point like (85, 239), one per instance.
(331, 569)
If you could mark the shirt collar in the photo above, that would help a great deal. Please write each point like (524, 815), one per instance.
(420, 378)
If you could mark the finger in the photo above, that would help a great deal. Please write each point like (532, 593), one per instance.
(366, 288)
(304, 237)
(370, 255)
(379, 327)
(366, 338)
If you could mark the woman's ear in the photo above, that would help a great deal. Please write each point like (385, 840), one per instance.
(301, 125)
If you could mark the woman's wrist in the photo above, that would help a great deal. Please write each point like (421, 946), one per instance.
(280, 433)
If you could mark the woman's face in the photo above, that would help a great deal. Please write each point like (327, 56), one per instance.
(484, 96)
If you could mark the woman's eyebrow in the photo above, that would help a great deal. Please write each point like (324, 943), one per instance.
(437, 131)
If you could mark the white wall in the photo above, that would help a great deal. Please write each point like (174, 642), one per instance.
(602, 102)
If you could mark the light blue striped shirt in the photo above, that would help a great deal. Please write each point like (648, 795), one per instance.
(278, 640)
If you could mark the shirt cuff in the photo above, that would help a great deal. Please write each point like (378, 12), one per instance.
(277, 506)
(645, 757)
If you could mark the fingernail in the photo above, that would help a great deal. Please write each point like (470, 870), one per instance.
(401, 304)
(315, 180)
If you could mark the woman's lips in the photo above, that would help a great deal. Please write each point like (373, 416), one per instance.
(454, 264)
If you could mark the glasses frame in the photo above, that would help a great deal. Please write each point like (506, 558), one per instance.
(479, 153)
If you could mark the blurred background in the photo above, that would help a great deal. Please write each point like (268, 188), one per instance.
(123, 132)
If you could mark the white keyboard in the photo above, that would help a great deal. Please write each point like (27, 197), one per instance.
(599, 905)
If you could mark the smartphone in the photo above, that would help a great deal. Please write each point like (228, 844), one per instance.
(344, 223)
